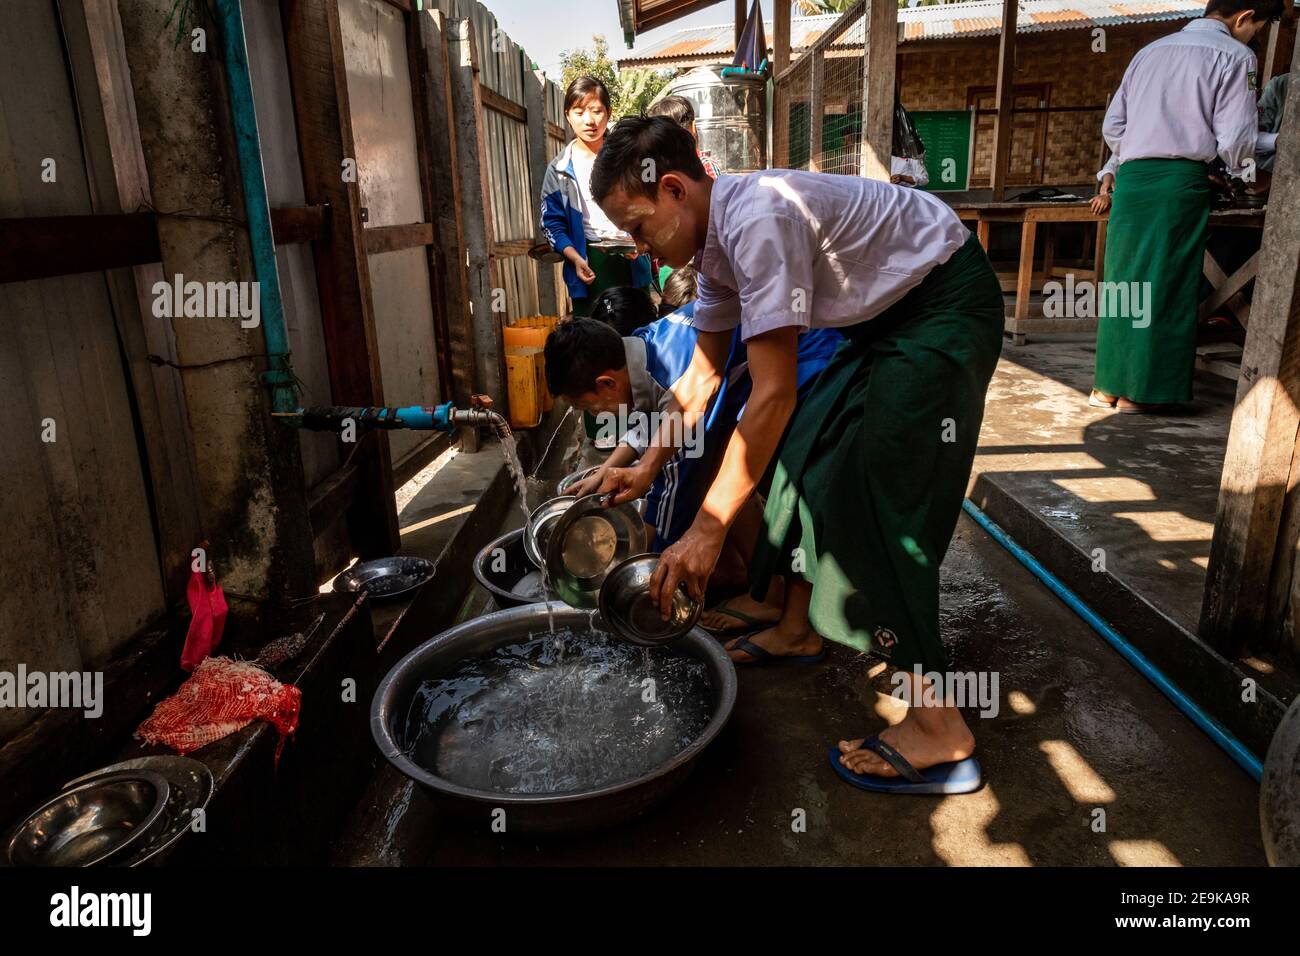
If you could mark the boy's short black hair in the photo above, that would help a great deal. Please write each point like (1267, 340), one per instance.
(676, 108)
(678, 290)
(638, 151)
(577, 352)
(624, 308)
(581, 88)
(1264, 9)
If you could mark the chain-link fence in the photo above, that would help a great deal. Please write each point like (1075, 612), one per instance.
(817, 111)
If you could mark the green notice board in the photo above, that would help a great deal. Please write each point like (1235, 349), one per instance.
(947, 138)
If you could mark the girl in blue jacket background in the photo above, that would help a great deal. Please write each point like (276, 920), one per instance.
(594, 248)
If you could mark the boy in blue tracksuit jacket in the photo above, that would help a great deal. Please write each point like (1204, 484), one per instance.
(624, 380)
(563, 227)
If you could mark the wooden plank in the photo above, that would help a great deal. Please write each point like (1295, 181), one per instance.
(740, 18)
(1006, 81)
(495, 101)
(535, 93)
(329, 500)
(1258, 517)
(292, 224)
(556, 131)
(438, 116)
(832, 34)
(476, 209)
(879, 53)
(514, 247)
(780, 38)
(41, 247)
(391, 238)
(1025, 274)
(816, 110)
(1230, 286)
(314, 48)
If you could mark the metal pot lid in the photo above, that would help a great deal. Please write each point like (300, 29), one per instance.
(540, 525)
(588, 541)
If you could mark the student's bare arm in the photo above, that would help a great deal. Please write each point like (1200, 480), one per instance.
(772, 368)
(691, 397)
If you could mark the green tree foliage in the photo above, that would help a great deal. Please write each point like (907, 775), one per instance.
(630, 91)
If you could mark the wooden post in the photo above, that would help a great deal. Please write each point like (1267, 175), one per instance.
(780, 37)
(476, 211)
(742, 14)
(780, 91)
(816, 107)
(318, 74)
(441, 137)
(1006, 85)
(1262, 443)
(538, 160)
(879, 53)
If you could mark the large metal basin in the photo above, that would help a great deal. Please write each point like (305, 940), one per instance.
(537, 812)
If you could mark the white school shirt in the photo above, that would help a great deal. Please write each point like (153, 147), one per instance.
(815, 250)
(595, 224)
(1189, 95)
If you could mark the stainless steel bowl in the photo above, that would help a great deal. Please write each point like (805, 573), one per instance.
(588, 541)
(628, 610)
(541, 523)
(91, 823)
(568, 481)
(537, 812)
(386, 578)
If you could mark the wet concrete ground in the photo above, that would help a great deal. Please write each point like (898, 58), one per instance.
(1142, 488)
(1078, 732)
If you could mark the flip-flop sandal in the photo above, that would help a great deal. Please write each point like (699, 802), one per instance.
(1097, 402)
(959, 776)
(762, 655)
(751, 624)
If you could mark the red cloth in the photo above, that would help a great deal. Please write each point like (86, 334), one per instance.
(208, 620)
(219, 698)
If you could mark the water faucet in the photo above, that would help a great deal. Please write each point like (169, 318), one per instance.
(444, 418)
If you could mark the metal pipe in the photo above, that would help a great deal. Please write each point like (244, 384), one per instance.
(239, 86)
(1213, 729)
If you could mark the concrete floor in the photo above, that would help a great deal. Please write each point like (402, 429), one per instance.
(1142, 488)
(1078, 731)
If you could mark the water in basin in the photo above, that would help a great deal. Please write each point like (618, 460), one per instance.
(562, 712)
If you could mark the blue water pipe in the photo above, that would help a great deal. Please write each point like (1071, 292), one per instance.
(1215, 730)
(239, 86)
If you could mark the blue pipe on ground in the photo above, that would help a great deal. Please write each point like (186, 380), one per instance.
(239, 86)
(1215, 730)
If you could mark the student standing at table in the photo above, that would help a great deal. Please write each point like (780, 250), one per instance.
(872, 469)
(1185, 99)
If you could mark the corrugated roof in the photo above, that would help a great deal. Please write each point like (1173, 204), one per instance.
(978, 18)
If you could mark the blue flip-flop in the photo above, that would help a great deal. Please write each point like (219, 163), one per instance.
(959, 776)
(762, 655)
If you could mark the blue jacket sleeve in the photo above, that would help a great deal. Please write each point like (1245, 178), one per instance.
(555, 220)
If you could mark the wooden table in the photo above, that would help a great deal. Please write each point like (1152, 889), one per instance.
(1030, 215)
(1224, 358)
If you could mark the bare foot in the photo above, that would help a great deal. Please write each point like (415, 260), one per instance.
(922, 747)
(1138, 408)
(779, 642)
(721, 622)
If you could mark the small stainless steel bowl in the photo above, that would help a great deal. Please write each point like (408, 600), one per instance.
(588, 542)
(628, 610)
(386, 578)
(92, 823)
(540, 525)
(568, 481)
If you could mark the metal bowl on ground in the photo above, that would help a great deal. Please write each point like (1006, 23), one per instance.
(95, 822)
(628, 610)
(541, 523)
(588, 541)
(386, 578)
(191, 784)
(503, 569)
(538, 813)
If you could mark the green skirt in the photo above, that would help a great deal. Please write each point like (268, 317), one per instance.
(1155, 245)
(873, 469)
(611, 271)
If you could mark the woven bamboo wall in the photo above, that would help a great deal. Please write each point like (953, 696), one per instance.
(1060, 63)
